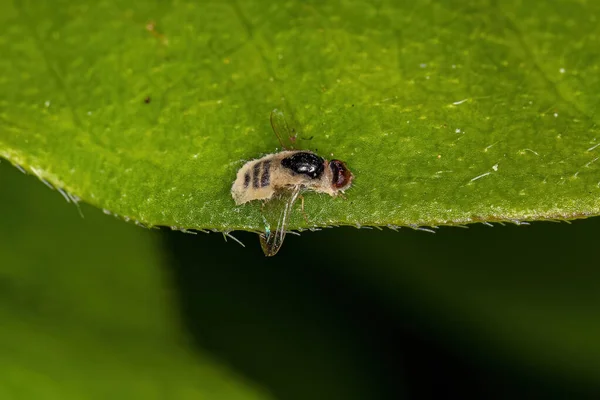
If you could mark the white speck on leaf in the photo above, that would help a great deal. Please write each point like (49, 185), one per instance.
(490, 146)
(480, 176)
(591, 162)
(522, 152)
(593, 147)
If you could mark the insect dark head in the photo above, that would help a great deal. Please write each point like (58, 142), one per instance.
(341, 175)
(305, 163)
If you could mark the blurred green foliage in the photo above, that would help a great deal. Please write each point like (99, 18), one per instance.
(87, 311)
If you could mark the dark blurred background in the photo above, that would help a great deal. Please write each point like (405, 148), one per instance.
(491, 312)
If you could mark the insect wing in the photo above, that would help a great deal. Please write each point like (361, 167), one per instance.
(278, 211)
(285, 129)
(280, 127)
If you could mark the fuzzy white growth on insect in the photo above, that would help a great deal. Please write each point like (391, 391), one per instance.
(262, 178)
(284, 175)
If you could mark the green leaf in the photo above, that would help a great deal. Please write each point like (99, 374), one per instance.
(85, 312)
(447, 112)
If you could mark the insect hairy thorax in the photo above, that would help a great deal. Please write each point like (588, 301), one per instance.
(305, 163)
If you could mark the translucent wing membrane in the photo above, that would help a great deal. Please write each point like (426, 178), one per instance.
(276, 214)
(281, 129)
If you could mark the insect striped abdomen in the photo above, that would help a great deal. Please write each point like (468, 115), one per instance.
(265, 179)
(256, 175)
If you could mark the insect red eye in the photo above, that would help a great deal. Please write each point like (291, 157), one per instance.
(341, 176)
